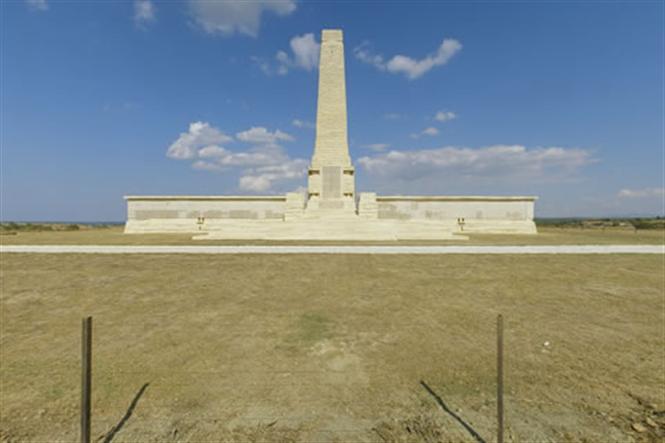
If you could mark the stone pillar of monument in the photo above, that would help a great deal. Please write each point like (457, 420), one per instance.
(331, 182)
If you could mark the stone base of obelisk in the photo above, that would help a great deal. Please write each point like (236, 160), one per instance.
(338, 227)
(330, 209)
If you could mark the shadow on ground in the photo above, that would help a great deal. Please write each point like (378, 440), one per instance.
(108, 437)
(445, 407)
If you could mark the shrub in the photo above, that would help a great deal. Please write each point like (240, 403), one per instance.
(656, 223)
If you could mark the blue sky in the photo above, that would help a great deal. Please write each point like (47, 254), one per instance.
(562, 100)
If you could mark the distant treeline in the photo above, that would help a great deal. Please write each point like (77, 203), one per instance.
(34, 227)
(631, 223)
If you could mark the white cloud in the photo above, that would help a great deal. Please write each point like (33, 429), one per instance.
(302, 124)
(642, 193)
(444, 116)
(304, 55)
(377, 147)
(198, 136)
(365, 55)
(37, 5)
(410, 67)
(260, 135)
(230, 17)
(431, 131)
(262, 178)
(212, 152)
(261, 166)
(489, 163)
(203, 165)
(260, 155)
(306, 51)
(144, 12)
(416, 68)
(255, 183)
(283, 63)
(263, 64)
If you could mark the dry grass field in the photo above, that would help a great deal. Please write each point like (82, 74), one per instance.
(333, 348)
(546, 236)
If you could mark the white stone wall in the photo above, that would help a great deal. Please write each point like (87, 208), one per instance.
(452, 208)
(283, 217)
(193, 214)
(209, 208)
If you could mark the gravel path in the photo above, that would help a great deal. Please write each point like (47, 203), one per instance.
(533, 249)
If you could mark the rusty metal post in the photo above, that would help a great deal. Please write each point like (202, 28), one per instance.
(86, 377)
(499, 380)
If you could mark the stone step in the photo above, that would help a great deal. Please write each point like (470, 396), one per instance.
(356, 228)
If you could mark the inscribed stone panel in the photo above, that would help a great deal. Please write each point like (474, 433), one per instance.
(332, 182)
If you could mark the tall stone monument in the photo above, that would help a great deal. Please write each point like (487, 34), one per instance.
(331, 182)
(331, 210)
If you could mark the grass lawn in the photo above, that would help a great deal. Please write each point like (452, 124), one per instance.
(333, 348)
(546, 236)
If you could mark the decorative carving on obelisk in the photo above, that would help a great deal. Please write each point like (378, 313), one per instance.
(331, 174)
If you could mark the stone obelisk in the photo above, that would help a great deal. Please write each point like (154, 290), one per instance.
(331, 175)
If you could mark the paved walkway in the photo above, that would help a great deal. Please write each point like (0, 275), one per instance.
(533, 249)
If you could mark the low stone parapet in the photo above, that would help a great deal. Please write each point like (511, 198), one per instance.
(166, 214)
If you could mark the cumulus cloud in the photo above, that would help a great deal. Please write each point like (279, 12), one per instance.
(230, 17)
(302, 124)
(261, 179)
(212, 152)
(487, 163)
(444, 116)
(431, 132)
(364, 53)
(408, 66)
(256, 183)
(260, 135)
(305, 51)
(259, 155)
(415, 68)
(203, 165)
(37, 5)
(262, 164)
(304, 55)
(198, 136)
(642, 193)
(144, 12)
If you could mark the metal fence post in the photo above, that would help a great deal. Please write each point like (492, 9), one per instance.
(86, 377)
(499, 380)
